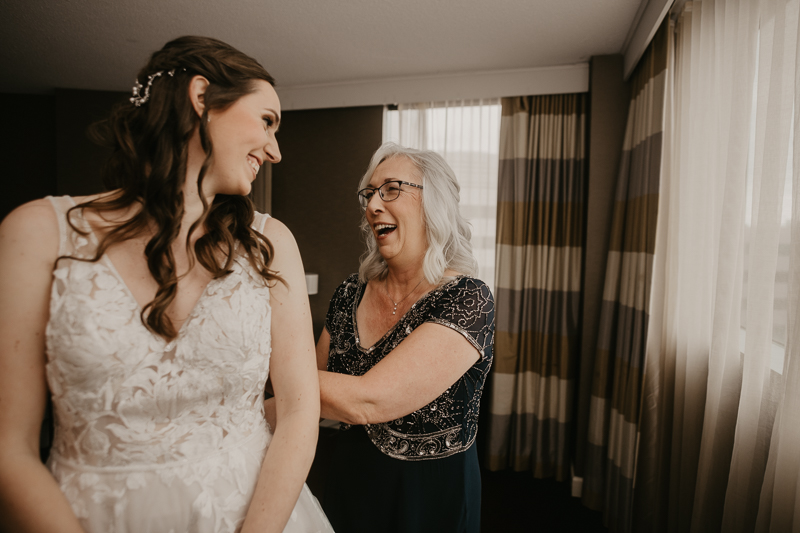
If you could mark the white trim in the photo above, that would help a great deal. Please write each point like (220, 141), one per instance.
(459, 86)
(577, 483)
(777, 353)
(644, 27)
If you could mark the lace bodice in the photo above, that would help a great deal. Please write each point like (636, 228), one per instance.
(152, 435)
(123, 395)
(449, 424)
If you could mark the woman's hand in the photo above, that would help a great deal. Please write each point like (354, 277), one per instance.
(28, 250)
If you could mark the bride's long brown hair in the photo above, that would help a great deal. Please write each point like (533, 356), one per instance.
(148, 167)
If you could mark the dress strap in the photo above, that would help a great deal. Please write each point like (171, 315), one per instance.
(259, 221)
(61, 205)
(70, 241)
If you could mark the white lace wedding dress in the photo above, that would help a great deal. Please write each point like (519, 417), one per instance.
(155, 436)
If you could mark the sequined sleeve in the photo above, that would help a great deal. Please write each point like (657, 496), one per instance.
(339, 305)
(343, 351)
(468, 308)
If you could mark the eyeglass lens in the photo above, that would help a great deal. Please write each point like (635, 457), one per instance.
(389, 191)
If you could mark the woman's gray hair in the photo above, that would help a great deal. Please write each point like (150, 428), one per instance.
(448, 232)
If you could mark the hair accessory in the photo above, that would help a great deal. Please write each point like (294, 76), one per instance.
(140, 97)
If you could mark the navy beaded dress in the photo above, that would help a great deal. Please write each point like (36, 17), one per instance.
(418, 473)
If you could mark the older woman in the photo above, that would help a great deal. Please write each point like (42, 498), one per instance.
(407, 345)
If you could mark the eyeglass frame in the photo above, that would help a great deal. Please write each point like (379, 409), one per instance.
(380, 191)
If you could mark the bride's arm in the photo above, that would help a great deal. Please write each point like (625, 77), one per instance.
(296, 386)
(30, 499)
(322, 364)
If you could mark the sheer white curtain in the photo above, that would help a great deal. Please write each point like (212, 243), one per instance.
(467, 134)
(721, 358)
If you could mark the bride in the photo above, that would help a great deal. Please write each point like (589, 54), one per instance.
(153, 315)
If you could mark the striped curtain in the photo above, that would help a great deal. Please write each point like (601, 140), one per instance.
(540, 219)
(617, 377)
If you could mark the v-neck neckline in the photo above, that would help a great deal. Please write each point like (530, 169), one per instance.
(357, 300)
(126, 288)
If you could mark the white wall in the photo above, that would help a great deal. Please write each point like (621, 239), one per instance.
(466, 86)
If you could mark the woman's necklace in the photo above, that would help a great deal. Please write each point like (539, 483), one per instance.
(386, 288)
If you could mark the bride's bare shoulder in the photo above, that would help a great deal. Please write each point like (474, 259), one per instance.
(31, 229)
(37, 213)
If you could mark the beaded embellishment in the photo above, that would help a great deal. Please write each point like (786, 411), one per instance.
(140, 97)
(449, 424)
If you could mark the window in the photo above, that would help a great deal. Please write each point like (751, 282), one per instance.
(781, 286)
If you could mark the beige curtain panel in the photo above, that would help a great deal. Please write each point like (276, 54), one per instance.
(622, 335)
(540, 219)
(720, 431)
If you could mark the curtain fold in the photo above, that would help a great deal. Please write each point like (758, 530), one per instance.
(721, 351)
(779, 501)
(540, 218)
(618, 367)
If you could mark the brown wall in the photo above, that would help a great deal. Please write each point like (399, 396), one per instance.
(80, 161)
(609, 96)
(27, 149)
(44, 147)
(325, 152)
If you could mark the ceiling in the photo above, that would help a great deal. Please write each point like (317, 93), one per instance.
(101, 44)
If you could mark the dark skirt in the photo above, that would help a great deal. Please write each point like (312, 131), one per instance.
(369, 492)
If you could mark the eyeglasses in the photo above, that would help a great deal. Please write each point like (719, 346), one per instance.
(389, 191)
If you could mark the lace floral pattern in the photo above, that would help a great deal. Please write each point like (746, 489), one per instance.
(143, 424)
(449, 424)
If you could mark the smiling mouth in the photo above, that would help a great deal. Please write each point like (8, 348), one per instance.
(253, 163)
(384, 229)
